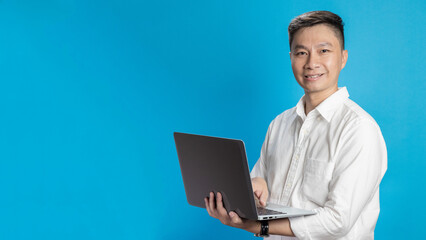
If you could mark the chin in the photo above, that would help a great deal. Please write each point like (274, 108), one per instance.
(309, 87)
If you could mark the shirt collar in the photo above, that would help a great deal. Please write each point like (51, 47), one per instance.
(327, 107)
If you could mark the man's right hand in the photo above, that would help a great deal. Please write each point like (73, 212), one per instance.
(260, 189)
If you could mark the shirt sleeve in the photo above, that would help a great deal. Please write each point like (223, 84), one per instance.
(360, 164)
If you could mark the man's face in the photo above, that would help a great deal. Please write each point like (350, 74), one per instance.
(316, 59)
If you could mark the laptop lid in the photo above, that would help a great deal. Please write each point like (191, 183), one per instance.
(211, 164)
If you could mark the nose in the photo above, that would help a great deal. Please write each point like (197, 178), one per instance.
(312, 61)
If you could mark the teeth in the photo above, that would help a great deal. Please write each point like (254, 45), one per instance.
(313, 76)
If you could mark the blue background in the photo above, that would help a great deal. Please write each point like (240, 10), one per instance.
(91, 92)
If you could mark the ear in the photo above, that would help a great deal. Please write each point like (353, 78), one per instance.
(344, 58)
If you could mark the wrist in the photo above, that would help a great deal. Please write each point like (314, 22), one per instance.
(264, 229)
(253, 227)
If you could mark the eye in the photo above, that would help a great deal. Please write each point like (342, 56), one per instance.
(301, 53)
(324, 50)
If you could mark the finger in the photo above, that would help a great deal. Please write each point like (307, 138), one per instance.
(263, 199)
(206, 201)
(235, 218)
(212, 203)
(259, 196)
(219, 204)
(257, 193)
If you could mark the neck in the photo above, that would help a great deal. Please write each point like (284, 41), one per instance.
(313, 99)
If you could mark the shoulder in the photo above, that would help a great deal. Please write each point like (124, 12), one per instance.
(283, 117)
(355, 119)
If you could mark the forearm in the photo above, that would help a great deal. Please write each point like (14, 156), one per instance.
(280, 227)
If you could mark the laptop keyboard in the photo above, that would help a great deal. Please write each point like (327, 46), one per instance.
(265, 211)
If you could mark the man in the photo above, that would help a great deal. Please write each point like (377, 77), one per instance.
(325, 154)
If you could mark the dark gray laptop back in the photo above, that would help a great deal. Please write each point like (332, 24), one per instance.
(219, 165)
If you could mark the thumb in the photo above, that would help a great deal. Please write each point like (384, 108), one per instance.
(235, 218)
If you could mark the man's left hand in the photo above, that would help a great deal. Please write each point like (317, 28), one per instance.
(215, 209)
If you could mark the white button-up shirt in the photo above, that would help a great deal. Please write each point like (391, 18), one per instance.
(331, 161)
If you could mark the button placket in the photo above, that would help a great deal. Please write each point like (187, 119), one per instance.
(303, 134)
(290, 177)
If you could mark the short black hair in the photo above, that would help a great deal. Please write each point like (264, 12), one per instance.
(310, 19)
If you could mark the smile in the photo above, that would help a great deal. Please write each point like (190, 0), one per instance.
(313, 77)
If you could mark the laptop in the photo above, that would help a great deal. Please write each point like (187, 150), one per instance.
(212, 164)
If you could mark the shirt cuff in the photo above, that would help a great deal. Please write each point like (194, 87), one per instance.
(299, 228)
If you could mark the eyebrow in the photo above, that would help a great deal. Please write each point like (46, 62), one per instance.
(323, 44)
(301, 46)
